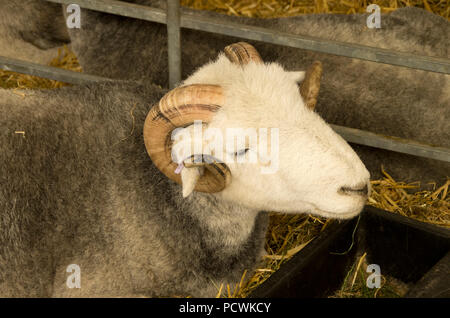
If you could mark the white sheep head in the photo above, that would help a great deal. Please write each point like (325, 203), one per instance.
(288, 159)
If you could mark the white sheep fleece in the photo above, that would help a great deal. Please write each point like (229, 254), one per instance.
(314, 161)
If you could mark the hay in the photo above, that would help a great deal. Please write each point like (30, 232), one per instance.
(288, 234)
(355, 284)
(431, 206)
(286, 8)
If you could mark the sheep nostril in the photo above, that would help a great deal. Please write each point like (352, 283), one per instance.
(362, 190)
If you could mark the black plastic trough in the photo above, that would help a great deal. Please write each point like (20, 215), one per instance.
(411, 251)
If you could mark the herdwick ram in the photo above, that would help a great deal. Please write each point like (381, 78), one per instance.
(384, 99)
(31, 30)
(78, 187)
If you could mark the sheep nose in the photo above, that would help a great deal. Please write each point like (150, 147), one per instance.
(358, 190)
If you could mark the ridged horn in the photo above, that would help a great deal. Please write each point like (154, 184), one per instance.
(309, 88)
(179, 108)
(242, 53)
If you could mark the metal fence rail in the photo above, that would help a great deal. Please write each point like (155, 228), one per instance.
(240, 30)
(396, 144)
(174, 43)
(50, 72)
(174, 21)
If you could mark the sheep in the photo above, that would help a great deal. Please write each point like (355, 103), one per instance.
(85, 181)
(31, 30)
(384, 99)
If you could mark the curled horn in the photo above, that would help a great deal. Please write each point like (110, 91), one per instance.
(309, 88)
(242, 53)
(179, 108)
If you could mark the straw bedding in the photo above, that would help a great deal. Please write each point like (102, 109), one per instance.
(285, 8)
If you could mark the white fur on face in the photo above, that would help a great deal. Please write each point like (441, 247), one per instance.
(314, 161)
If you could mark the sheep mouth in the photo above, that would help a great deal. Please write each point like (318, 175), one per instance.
(360, 190)
(337, 215)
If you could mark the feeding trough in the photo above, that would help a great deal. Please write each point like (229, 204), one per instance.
(414, 253)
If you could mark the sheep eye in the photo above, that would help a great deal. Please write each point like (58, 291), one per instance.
(241, 152)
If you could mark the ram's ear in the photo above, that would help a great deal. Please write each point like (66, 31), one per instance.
(189, 178)
(309, 88)
(297, 76)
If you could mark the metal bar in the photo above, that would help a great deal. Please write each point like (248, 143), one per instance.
(427, 63)
(54, 73)
(125, 9)
(197, 22)
(396, 144)
(173, 41)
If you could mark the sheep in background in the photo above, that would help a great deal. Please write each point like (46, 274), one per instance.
(31, 30)
(380, 98)
(77, 185)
